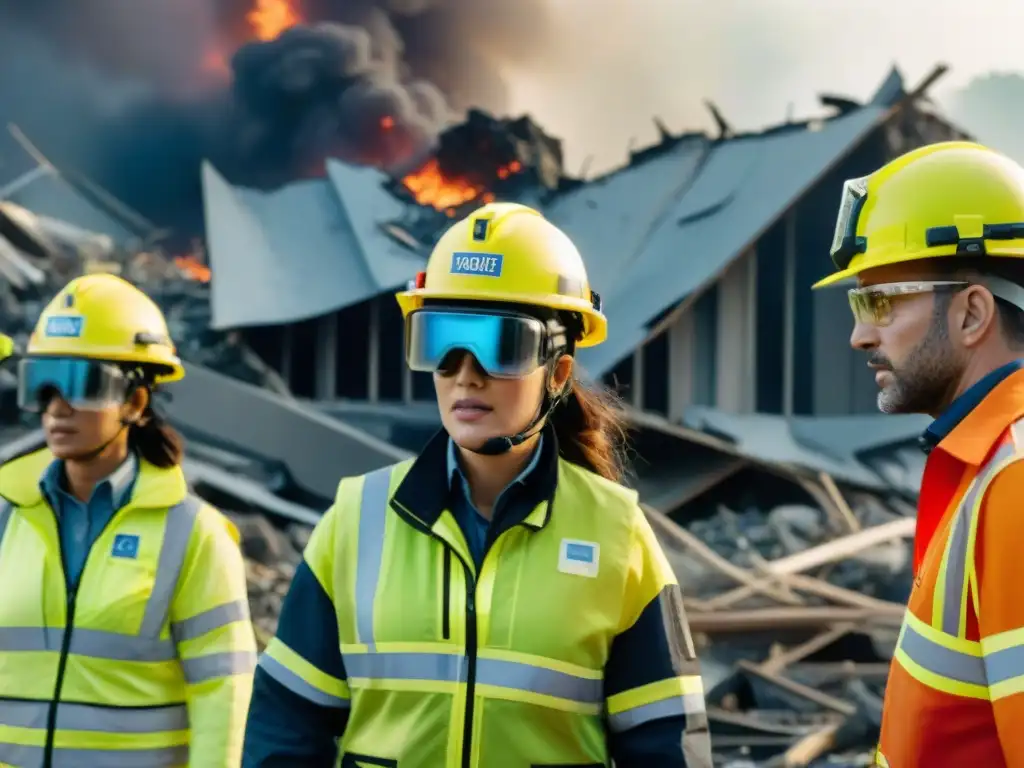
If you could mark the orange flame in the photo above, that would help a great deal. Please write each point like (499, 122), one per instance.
(192, 268)
(387, 122)
(269, 18)
(430, 186)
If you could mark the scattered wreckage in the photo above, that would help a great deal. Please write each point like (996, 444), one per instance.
(789, 535)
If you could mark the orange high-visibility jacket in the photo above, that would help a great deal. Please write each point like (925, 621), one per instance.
(953, 698)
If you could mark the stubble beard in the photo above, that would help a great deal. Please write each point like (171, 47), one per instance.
(922, 383)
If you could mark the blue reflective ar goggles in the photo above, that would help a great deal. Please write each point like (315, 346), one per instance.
(83, 384)
(506, 345)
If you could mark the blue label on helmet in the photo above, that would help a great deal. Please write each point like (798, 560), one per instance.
(65, 326)
(482, 264)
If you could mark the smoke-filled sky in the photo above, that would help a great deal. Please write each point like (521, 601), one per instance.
(134, 91)
(752, 57)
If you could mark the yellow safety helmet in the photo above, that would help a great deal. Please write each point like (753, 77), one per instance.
(954, 198)
(6, 346)
(103, 317)
(506, 252)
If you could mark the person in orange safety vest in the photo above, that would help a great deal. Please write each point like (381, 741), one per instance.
(935, 240)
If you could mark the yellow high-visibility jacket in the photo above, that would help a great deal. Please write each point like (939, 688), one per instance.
(149, 662)
(568, 646)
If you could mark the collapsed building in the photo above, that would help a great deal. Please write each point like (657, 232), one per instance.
(783, 501)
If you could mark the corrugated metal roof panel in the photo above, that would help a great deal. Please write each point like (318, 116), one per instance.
(302, 251)
(282, 256)
(610, 217)
(743, 186)
(367, 205)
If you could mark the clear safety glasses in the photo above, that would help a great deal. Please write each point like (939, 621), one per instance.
(873, 304)
(83, 384)
(505, 345)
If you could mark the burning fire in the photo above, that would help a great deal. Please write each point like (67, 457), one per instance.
(269, 18)
(192, 268)
(430, 186)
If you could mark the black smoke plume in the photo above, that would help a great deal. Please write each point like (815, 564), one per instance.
(135, 94)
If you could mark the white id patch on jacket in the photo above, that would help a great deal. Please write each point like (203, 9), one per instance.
(580, 558)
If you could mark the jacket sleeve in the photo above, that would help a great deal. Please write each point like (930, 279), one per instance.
(998, 545)
(300, 700)
(654, 698)
(211, 626)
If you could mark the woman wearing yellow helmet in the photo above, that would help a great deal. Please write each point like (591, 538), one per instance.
(124, 631)
(500, 601)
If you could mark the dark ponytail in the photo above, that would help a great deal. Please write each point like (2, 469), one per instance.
(591, 429)
(156, 441)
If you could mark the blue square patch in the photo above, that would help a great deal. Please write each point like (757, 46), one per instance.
(580, 553)
(64, 326)
(479, 264)
(126, 546)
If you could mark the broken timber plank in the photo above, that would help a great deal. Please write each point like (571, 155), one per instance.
(815, 586)
(811, 747)
(775, 664)
(823, 700)
(843, 547)
(699, 549)
(837, 498)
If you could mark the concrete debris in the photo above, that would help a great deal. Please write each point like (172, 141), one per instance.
(795, 621)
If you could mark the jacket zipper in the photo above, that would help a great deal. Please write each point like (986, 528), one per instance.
(65, 646)
(471, 651)
(62, 663)
(471, 634)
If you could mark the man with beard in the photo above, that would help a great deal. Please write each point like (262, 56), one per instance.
(935, 240)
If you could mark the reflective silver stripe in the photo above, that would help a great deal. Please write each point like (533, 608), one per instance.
(5, 516)
(207, 621)
(297, 685)
(212, 665)
(442, 667)
(1004, 664)
(449, 668)
(181, 519)
(158, 757)
(687, 704)
(372, 517)
(955, 588)
(88, 642)
(940, 660)
(526, 677)
(83, 717)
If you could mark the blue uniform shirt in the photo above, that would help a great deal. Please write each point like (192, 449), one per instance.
(81, 524)
(474, 525)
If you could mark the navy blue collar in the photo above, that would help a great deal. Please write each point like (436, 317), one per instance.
(455, 470)
(957, 411)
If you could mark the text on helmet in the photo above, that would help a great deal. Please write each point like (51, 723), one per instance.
(65, 326)
(484, 264)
